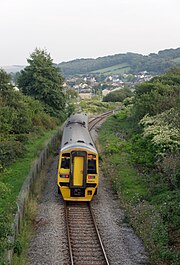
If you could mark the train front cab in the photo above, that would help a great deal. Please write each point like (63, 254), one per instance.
(78, 175)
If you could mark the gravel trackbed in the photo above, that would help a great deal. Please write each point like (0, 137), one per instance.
(49, 246)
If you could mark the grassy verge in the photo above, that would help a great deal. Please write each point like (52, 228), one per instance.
(22, 242)
(11, 181)
(150, 208)
(15, 175)
(97, 107)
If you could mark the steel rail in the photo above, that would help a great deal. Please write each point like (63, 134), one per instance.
(92, 123)
(104, 115)
(98, 234)
(68, 235)
(95, 230)
(97, 119)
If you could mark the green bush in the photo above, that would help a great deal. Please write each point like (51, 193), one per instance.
(142, 151)
(147, 183)
(10, 151)
(5, 228)
(118, 96)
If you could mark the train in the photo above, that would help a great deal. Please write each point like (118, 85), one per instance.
(78, 167)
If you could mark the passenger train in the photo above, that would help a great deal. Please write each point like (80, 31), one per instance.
(78, 161)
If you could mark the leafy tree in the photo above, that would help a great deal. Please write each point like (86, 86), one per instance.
(156, 109)
(158, 95)
(5, 81)
(153, 63)
(42, 80)
(117, 96)
(71, 101)
(19, 116)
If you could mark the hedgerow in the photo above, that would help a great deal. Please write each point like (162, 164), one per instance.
(144, 166)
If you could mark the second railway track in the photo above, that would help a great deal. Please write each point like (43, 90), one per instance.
(99, 118)
(85, 244)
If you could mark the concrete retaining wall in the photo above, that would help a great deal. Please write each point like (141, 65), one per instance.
(28, 185)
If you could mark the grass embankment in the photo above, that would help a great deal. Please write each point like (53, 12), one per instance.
(15, 175)
(22, 241)
(11, 181)
(95, 107)
(151, 209)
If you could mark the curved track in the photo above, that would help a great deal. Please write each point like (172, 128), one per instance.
(85, 244)
(99, 118)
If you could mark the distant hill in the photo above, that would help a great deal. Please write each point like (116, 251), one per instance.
(124, 63)
(13, 68)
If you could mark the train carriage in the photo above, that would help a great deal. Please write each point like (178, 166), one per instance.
(78, 161)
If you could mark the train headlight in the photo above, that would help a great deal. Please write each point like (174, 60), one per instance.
(66, 176)
(91, 177)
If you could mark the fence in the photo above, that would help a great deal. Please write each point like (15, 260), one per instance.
(28, 185)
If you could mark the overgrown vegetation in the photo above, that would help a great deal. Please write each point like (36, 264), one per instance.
(141, 147)
(29, 221)
(41, 80)
(21, 117)
(96, 106)
(129, 62)
(118, 96)
(28, 117)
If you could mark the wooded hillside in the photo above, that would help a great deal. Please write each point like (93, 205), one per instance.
(133, 62)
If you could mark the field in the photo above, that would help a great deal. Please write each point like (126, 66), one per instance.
(115, 69)
(177, 60)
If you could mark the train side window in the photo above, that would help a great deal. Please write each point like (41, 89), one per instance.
(91, 166)
(65, 163)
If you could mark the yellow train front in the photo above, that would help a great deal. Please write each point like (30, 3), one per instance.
(78, 161)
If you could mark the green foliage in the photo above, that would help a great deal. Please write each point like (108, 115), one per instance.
(5, 80)
(95, 106)
(147, 157)
(144, 164)
(11, 180)
(41, 79)
(22, 122)
(5, 228)
(149, 224)
(116, 154)
(17, 248)
(129, 62)
(20, 117)
(162, 130)
(118, 96)
(71, 100)
(9, 152)
(158, 95)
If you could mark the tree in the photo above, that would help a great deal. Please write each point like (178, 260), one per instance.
(157, 95)
(42, 80)
(5, 81)
(118, 96)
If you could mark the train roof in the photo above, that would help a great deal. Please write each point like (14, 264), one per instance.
(76, 133)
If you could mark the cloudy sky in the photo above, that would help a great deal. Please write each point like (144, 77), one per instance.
(70, 29)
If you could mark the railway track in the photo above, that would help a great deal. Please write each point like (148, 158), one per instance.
(99, 118)
(85, 244)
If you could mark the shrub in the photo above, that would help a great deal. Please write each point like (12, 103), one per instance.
(118, 96)
(5, 229)
(10, 151)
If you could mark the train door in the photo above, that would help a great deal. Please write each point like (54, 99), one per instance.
(78, 173)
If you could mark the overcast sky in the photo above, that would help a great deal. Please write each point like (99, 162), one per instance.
(71, 29)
